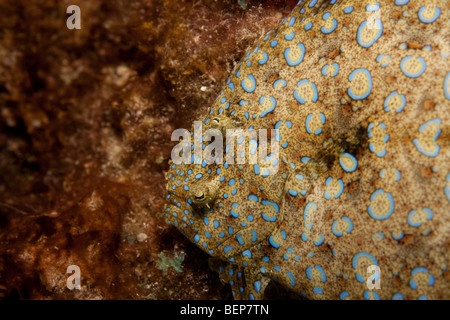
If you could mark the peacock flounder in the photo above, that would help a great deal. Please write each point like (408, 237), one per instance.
(358, 205)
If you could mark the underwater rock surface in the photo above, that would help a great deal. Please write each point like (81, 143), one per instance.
(85, 138)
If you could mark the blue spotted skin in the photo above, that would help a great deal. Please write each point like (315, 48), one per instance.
(359, 92)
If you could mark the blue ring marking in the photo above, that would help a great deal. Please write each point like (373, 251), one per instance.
(231, 182)
(355, 263)
(291, 276)
(344, 295)
(239, 239)
(413, 284)
(206, 220)
(196, 238)
(208, 235)
(369, 77)
(273, 243)
(372, 8)
(308, 26)
(413, 75)
(324, 277)
(291, 22)
(348, 9)
(273, 43)
(265, 59)
(265, 217)
(401, 2)
(282, 81)
(317, 290)
(251, 89)
(341, 190)
(333, 228)
(304, 236)
(381, 56)
(447, 188)
(273, 204)
(290, 36)
(216, 224)
(432, 19)
(295, 63)
(394, 93)
(350, 223)
(328, 31)
(253, 197)
(313, 85)
(254, 236)
(421, 129)
(418, 224)
(386, 139)
(349, 230)
(274, 104)
(312, 3)
(355, 162)
(308, 273)
(247, 253)
(257, 286)
(305, 211)
(379, 24)
(308, 119)
(447, 85)
(234, 214)
(336, 71)
(293, 192)
(398, 296)
(400, 237)
(256, 169)
(367, 295)
(318, 243)
(391, 209)
(198, 176)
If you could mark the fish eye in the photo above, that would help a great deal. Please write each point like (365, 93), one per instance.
(216, 120)
(200, 197)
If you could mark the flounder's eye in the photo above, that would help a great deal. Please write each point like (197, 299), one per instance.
(203, 195)
(216, 120)
(199, 196)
